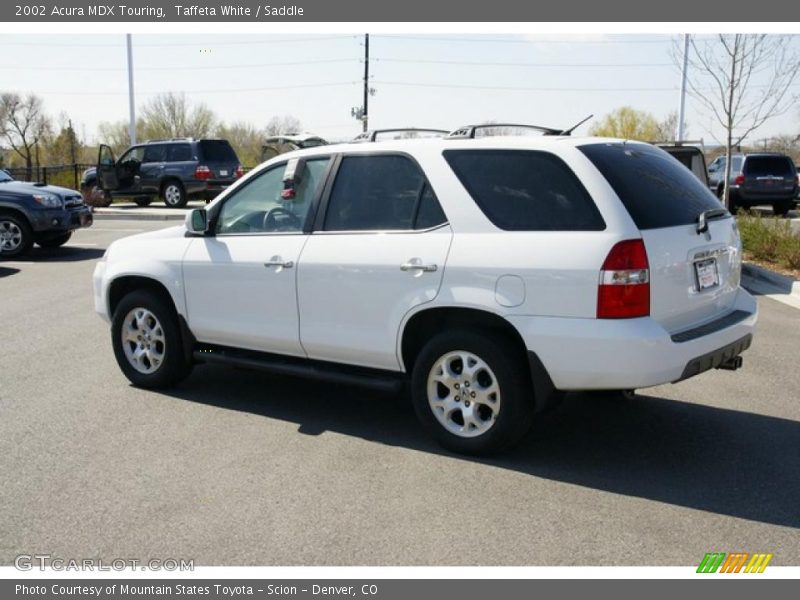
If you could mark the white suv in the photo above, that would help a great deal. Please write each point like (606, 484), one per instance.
(492, 273)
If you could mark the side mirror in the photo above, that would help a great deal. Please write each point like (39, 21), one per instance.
(197, 221)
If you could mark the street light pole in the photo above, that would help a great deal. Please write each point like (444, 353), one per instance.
(366, 83)
(682, 109)
(131, 103)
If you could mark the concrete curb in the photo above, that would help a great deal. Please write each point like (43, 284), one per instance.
(139, 214)
(785, 285)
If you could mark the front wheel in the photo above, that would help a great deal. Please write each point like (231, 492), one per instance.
(54, 242)
(173, 194)
(143, 201)
(147, 341)
(16, 237)
(472, 392)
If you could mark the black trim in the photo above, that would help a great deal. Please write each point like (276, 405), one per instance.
(714, 359)
(692, 334)
(387, 381)
(545, 394)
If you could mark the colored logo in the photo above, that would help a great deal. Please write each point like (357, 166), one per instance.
(719, 562)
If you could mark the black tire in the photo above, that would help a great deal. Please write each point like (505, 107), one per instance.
(54, 242)
(143, 201)
(173, 367)
(16, 236)
(782, 208)
(173, 194)
(503, 427)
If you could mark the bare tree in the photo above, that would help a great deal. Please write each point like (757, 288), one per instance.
(170, 115)
(743, 80)
(22, 125)
(245, 139)
(283, 124)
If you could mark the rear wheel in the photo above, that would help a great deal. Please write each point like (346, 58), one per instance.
(16, 237)
(472, 392)
(147, 341)
(173, 194)
(54, 242)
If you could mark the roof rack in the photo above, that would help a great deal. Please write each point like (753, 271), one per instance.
(175, 139)
(468, 131)
(370, 136)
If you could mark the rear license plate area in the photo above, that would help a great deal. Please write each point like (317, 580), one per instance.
(706, 274)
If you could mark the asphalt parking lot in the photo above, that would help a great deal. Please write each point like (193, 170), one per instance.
(239, 468)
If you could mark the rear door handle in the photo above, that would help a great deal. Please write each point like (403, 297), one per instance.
(416, 265)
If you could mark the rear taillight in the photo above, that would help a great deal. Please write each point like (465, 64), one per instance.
(202, 172)
(239, 171)
(739, 179)
(624, 289)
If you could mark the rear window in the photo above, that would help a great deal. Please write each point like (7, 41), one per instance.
(524, 190)
(656, 189)
(217, 151)
(759, 166)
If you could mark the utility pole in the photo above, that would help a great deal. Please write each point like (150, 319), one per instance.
(365, 117)
(131, 105)
(682, 109)
(71, 133)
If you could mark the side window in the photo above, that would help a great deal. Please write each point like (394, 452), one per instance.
(155, 153)
(261, 207)
(179, 152)
(374, 193)
(430, 213)
(525, 190)
(135, 154)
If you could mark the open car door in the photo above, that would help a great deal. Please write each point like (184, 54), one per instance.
(107, 178)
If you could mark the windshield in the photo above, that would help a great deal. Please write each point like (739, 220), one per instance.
(4, 176)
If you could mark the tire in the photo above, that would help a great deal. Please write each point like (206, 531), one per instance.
(143, 201)
(54, 242)
(152, 354)
(16, 237)
(489, 424)
(782, 208)
(173, 194)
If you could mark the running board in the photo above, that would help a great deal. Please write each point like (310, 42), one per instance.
(385, 381)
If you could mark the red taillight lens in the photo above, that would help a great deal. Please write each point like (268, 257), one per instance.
(202, 172)
(239, 171)
(739, 179)
(624, 290)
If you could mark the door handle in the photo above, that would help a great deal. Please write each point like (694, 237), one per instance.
(277, 261)
(418, 266)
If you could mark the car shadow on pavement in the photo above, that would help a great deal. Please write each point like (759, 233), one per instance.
(63, 254)
(6, 271)
(712, 459)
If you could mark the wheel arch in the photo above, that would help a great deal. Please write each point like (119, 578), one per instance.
(12, 210)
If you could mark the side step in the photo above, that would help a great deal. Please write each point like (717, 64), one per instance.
(385, 381)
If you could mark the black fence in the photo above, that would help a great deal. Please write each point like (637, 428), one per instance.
(68, 176)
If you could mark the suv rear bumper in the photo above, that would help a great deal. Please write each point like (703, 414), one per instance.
(596, 354)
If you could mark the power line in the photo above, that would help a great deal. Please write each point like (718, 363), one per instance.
(518, 64)
(518, 41)
(210, 91)
(196, 68)
(181, 44)
(523, 89)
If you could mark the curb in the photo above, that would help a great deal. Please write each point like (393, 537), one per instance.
(109, 214)
(786, 285)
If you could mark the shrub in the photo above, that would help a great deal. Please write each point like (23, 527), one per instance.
(769, 239)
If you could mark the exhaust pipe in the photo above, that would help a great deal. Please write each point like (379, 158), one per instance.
(731, 364)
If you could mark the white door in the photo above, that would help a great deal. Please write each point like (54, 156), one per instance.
(380, 252)
(241, 288)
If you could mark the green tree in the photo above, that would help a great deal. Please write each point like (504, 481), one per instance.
(628, 123)
(245, 139)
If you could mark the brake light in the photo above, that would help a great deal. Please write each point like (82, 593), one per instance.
(239, 171)
(202, 172)
(624, 288)
(739, 179)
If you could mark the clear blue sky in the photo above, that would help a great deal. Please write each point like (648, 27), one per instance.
(438, 81)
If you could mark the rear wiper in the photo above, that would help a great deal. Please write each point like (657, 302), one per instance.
(704, 217)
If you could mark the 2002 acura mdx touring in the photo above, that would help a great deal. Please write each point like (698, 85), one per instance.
(491, 272)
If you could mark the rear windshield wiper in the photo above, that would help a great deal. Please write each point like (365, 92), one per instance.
(704, 217)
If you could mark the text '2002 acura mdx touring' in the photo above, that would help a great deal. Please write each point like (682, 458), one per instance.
(490, 273)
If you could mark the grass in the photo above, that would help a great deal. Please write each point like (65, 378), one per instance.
(770, 240)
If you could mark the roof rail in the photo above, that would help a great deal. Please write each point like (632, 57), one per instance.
(175, 139)
(370, 136)
(468, 131)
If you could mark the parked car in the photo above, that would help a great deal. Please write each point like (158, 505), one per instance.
(287, 142)
(175, 170)
(490, 274)
(764, 178)
(37, 213)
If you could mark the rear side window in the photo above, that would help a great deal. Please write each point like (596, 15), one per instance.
(179, 152)
(522, 190)
(217, 151)
(656, 190)
(381, 193)
(760, 166)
